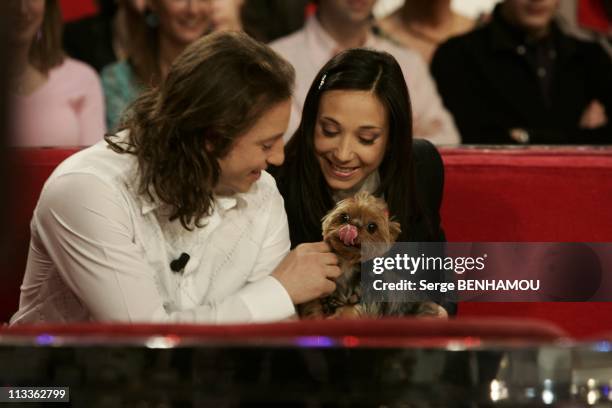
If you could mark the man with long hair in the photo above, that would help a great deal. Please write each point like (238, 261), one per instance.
(174, 218)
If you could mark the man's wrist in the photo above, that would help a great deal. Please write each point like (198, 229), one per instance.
(267, 300)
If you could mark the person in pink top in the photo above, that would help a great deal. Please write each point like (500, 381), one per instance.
(57, 101)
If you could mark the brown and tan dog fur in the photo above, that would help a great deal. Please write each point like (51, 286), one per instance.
(362, 219)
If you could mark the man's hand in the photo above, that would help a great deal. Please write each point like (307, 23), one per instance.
(307, 272)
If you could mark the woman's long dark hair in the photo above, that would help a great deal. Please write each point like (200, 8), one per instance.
(142, 44)
(307, 195)
(46, 52)
(214, 92)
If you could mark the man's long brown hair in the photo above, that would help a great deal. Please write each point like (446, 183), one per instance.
(215, 91)
(308, 200)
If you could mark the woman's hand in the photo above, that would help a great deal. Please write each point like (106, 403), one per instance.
(308, 271)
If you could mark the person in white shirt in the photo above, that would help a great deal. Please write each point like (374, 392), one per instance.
(343, 24)
(174, 218)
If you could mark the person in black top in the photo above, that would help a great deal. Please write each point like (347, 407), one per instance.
(520, 79)
(356, 134)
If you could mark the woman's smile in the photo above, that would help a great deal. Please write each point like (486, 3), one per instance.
(342, 172)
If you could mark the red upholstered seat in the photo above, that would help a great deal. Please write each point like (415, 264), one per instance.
(545, 195)
(76, 9)
(539, 195)
(592, 15)
(499, 195)
(29, 169)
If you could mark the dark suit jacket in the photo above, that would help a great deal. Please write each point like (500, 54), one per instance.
(488, 84)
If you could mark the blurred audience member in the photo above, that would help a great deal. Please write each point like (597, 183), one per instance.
(154, 41)
(520, 79)
(268, 20)
(422, 25)
(344, 24)
(102, 39)
(58, 101)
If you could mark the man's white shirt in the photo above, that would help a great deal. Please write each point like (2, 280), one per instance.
(101, 251)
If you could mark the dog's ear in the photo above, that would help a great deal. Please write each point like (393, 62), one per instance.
(394, 229)
(326, 220)
(327, 223)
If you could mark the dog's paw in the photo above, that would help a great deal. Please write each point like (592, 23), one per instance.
(347, 312)
(431, 309)
(312, 310)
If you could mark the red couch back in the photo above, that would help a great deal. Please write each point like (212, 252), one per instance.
(546, 195)
(29, 168)
(559, 195)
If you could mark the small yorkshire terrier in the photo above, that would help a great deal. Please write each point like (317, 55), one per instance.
(362, 219)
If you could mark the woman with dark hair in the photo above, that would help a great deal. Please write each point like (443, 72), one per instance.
(326, 158)
(355, 135)
(155, 37)
(174, 218)
(58, 100)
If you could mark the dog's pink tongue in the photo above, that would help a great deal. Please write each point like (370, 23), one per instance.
(348, 233)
